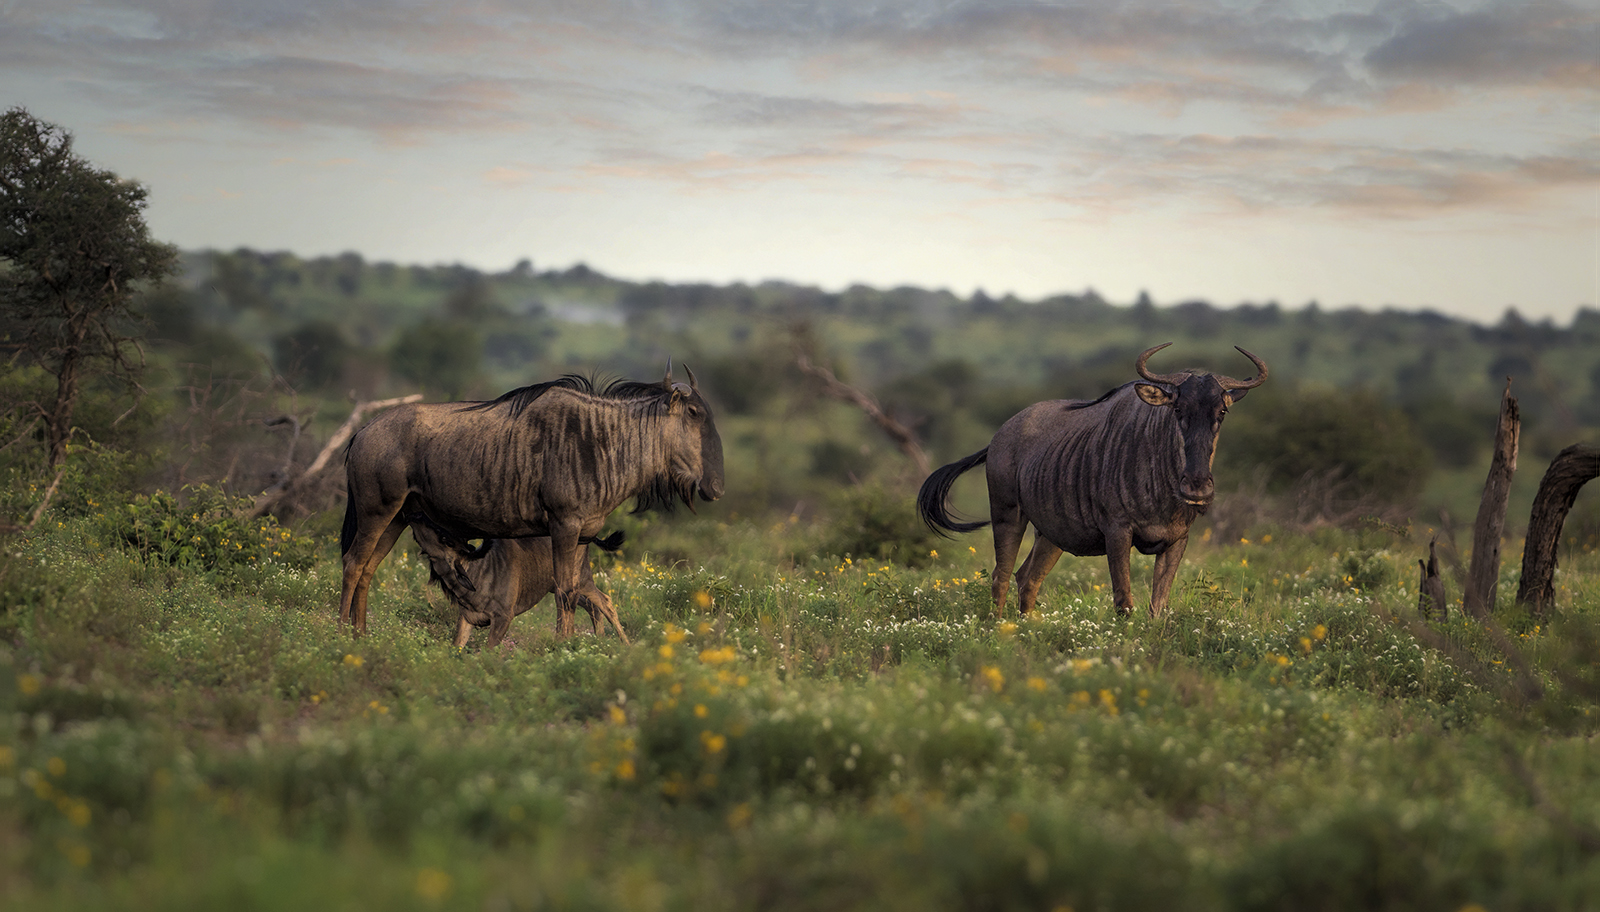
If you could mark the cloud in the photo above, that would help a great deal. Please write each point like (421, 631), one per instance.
(1517, 45)
(1276, 174)
(1103, 106)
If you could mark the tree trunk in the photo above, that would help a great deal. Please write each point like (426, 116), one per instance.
(1483, 574)
(58, 422)
(1568, 472)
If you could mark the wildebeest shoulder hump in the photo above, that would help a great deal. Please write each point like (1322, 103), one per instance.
(522, 397)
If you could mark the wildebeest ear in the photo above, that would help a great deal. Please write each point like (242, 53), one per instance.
(1235, 395)
(1153, 394)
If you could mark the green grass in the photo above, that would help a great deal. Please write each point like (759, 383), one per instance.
(792, 729)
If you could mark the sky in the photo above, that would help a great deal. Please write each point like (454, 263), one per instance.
(1397, 153)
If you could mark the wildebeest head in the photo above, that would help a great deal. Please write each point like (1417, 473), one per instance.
(695, 447)
(1199, 401)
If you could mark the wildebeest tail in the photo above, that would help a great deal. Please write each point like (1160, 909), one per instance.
(931, 499)
(347, 535)
(610, 543)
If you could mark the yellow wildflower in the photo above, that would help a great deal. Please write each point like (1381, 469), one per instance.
(995, 678)
(433, 884)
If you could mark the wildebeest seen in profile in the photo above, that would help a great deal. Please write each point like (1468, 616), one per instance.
(1131, 469)
(494, 583)
(553, 459)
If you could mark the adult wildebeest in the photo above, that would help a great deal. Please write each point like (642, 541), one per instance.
(553, 459)
(494, 583)
(1131, 469)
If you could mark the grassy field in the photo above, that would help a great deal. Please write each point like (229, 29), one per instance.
(792, 728)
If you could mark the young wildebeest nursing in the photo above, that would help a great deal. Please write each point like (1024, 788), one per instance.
(492, 584)
(550, 460)
(1131, 469)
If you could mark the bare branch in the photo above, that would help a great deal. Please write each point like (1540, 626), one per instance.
(838, 389)
(282, 492)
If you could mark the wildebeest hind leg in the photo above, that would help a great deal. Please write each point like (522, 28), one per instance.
(600, 606)
(1008, 528)
(360, 565)
(1031, 575)
(1166, 571)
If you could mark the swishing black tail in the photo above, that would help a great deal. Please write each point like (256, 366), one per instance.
(610, 543)
(348, 533)
(931, 499)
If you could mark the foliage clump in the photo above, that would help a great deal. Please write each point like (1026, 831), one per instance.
(1345, 445)
(876, 521)
(207, 531)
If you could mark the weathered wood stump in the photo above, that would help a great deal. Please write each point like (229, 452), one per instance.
(1430, 592)
(1483, 574)
(1572, 468)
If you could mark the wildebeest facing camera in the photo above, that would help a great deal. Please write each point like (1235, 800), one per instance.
(1131, 469)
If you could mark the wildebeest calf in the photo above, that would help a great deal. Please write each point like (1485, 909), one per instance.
(492, 584)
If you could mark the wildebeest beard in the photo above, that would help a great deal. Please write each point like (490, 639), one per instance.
(665, 493)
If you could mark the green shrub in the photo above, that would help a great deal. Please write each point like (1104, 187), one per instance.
(1349, 440)
(207, 531)
(875, 521)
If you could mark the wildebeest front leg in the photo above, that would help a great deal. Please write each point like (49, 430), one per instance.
(499, 626)
(565, 553)
(1119, 542)
(1031, 576)
(1166, 571)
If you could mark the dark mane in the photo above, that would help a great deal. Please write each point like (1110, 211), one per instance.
(1074, 406)
(1081, 404)
(522, 397)
(621, 390)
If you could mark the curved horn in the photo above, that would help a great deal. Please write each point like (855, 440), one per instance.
(667, 380)
(1169, 379)
(1228, 383)
(694, 385)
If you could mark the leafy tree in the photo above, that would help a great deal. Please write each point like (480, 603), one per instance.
(314, 352)
(438, 355)
(73, 249)
(1351, 439)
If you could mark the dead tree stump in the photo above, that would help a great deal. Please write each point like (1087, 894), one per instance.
(1430, 592)
(1483, 574)
(1572, 468)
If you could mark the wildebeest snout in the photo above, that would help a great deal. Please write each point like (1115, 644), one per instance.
(1197, 489)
